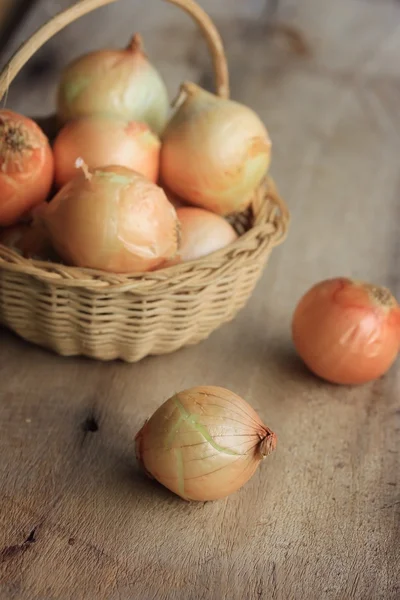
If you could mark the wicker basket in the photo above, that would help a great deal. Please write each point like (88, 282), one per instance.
(105, 316)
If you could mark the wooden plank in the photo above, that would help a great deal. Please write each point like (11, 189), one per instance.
(320, 519)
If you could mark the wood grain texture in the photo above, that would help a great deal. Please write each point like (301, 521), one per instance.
(321, 517)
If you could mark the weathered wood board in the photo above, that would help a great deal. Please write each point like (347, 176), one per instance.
(320, 519)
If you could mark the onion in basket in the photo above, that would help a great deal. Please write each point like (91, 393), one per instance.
(202, 232)
(112, 219)
(28, 240)
(26, 166)
(101, 140)
(215, 152)
(203, 443)
(116, 82)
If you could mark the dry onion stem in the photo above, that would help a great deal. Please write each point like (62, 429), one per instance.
(203, 443)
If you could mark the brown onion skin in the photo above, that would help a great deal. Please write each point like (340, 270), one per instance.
(103, 140)
(116, 221)
(26, 167)
(347, 332)
(215, 152)
(202, 232)
(119, 82)
(203, 443)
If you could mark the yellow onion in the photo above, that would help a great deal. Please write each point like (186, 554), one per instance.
(113, 219)
(116, 82)
(202, 232)
(215, 152)
(203, 443)
(101, 140)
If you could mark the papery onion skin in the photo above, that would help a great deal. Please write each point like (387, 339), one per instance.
(116, 221)
(26, 166)
(347, 332)
(215, 152)
(30, 241)
(203, 443)
(202, 232)
(116, 82)
(100, 140)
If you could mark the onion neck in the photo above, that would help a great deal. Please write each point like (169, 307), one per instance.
(80, 164)
(190, 91)
(190, 88)
(136, 44)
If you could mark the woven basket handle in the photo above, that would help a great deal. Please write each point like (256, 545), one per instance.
(83, 7)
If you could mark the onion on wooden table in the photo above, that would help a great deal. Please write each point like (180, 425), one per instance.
(204, 443)
(201, 515)
(347, 332)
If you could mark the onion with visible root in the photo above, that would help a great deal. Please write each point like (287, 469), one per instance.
(203, 443)
(215, 152)
(26, 167)
(347, 332)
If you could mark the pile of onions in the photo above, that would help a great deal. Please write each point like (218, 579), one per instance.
(112, 219)
(202, 232)
(215, 152)
(115, 82)
(347, 332)
(102, 140)
(203, 443)
(113, 110)
(26, 167)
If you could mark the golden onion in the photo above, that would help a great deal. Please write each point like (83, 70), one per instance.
(215, 152)
(112, 219)
(115, 82)
(203, 443)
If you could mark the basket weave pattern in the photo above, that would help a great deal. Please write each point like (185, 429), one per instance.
(105, 316)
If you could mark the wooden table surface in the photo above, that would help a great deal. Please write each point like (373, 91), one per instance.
(320, 519)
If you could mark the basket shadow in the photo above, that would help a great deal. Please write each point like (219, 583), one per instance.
(34, 352)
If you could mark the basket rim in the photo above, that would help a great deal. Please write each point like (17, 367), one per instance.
(273, 225)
